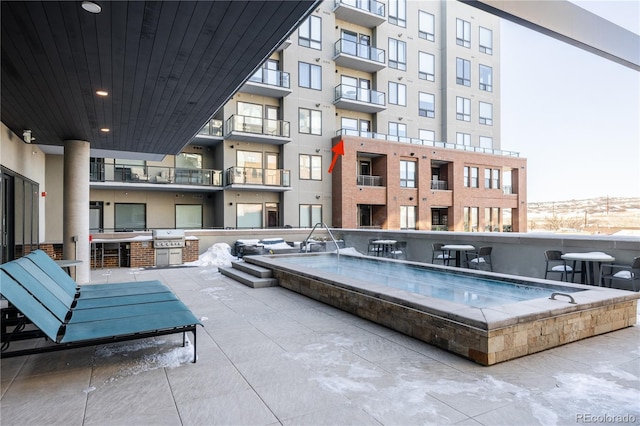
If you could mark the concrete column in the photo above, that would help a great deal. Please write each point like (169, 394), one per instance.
(75, 216)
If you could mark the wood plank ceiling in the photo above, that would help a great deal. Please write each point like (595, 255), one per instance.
(168, 66)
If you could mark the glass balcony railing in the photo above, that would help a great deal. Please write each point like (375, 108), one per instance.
(127, 173)
(352, 93)
(257, 176)
(271, 78)
(440, 185)
(212, 128)
(256, 125)
(416, 141)
(359, 50)
(367, 180)
(370, 6)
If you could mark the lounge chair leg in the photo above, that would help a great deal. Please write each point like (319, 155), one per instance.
(195, 352)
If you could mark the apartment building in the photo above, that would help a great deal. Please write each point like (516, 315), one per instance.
(410, 90)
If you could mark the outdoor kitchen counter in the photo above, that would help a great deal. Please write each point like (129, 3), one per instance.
(136, 250)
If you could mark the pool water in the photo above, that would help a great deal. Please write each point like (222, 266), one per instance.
(452, 286)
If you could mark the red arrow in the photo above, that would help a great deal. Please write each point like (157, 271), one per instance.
(338, 149)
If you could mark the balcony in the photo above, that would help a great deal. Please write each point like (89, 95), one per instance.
(266, 82)
(367, 180)
(211, 131)
(359, 56)
(256, 179)
(259, 130)
(118, 176)
(357, 99)
(366, 13)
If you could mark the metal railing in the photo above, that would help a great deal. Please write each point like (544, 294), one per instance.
(344, 91)
(324, 225)
(256, 125)
(440, 185)
(257, 176)
(364, 51)
(416, 141)
(212, 128)
(128, 173)
(370, 6)
(367, 180)
(271, 78)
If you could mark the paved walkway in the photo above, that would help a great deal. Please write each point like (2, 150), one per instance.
(269, 357)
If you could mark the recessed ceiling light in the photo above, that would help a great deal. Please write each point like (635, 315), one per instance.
(105, 130)
(91, 7)
(102, 93)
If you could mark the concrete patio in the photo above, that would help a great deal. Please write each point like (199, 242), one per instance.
(269, 356)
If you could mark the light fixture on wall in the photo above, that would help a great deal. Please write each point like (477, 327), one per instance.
(317, 105)
(27, 137)
(317, 197)
(317, 149)
(317, 59)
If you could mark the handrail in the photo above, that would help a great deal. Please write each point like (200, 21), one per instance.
(306, 246)
(571, 299)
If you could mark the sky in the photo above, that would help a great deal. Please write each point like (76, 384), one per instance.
(573, 115)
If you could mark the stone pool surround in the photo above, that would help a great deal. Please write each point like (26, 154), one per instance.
(484, 335)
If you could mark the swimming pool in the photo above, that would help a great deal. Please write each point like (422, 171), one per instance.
(458, 287)
(457, 317)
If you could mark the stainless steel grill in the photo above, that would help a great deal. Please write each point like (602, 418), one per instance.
(168, 244)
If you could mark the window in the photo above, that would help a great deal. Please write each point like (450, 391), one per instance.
(130, 217)
(470, 177)
(487, 178)
(310, 214)
(426, 106)
(427, 135)
(310, 167)
(407, 174)
(398, 12)
(249, 159)
(426, 26)
(486, 113)
(486, 142)
(463, 33)
(397, 54)
(397, 93)
(486, 40)
(463, 109)
(189, 216)
(486, 78)
(309, 121)
(475, 219)
(463, 72)
(310, 33)
(249, 110)
(309, 76)
(407, 217)
(397, 129)
(495, 179)
(426, 66)
(248, 215)
(463, 139)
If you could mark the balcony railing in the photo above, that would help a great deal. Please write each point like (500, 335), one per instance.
(258, 126)
(271, 78)
(360, 56)
(358, 99)
(367, 180)
(370, 6)
(212, 128)
(440, 185)
(415, 141)
(127, 173)
(256, 176)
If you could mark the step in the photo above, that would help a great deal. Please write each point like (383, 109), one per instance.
(249, 268)
(248, 279)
